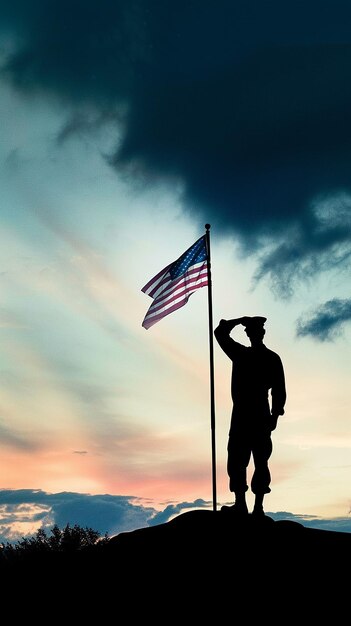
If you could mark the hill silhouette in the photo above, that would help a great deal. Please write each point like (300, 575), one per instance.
(198, 562)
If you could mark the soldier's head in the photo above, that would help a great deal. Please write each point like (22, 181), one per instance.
(255, 330)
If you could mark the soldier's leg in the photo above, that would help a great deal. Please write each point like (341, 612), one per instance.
(239, 453)
(261, 450)
(238, 459)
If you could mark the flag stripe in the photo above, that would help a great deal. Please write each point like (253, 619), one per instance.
(166, 280)
(155, 280)
(153, 288)
(177, 289)
(149, 321)
(157, 304)
(172, 286)
(185, 282)
(182, 290)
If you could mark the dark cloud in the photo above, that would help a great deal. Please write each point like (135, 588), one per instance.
(327, 321)
(176, 509)
(247, 103)
(320, 242)
(85, 51)
(105, 512)
(340, 524)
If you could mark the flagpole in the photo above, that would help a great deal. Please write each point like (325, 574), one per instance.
(212, 388)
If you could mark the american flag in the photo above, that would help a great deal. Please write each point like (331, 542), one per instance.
(172, 286)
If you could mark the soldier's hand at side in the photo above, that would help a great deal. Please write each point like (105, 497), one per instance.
(274, 420)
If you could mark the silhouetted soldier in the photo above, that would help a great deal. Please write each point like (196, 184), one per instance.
(256, 370)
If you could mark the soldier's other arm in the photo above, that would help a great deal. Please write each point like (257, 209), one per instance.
(278, 393)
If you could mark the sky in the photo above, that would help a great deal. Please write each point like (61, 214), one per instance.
(126, 126)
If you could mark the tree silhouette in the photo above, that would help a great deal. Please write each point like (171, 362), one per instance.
(69, 539)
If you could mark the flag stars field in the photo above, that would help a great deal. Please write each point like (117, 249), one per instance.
(172, 287)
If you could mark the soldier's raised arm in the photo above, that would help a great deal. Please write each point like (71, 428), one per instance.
(223, 330)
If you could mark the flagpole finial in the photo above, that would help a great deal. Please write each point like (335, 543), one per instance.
(207, 226)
